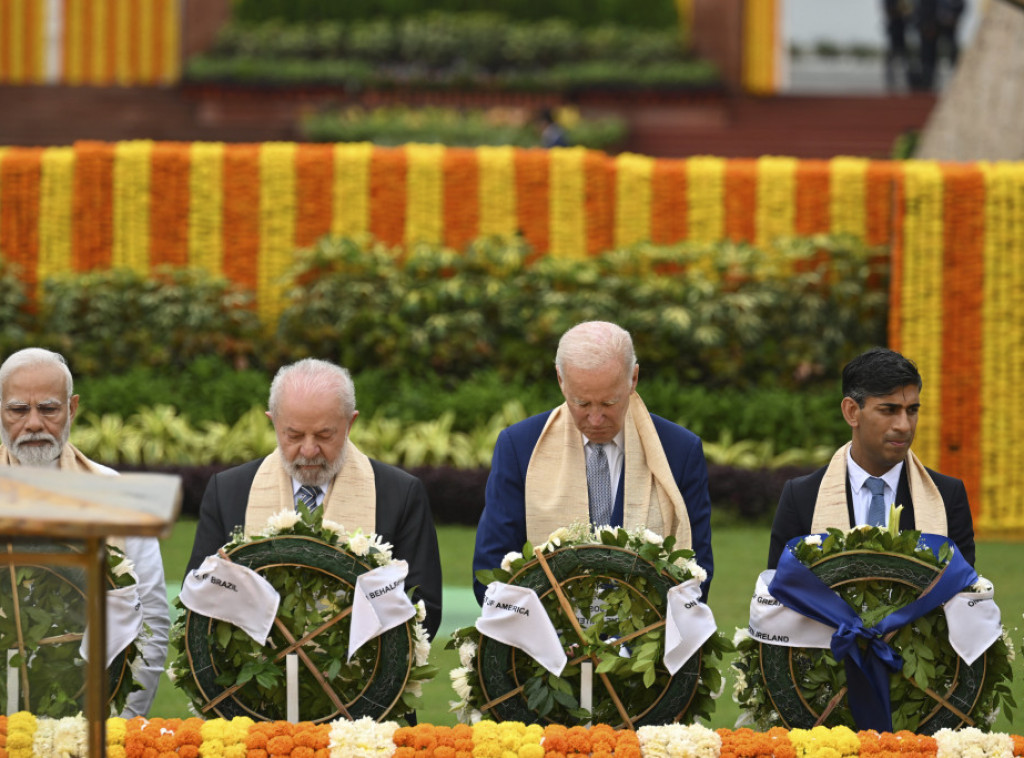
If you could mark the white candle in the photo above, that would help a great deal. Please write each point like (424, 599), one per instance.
(587, 686)
(13, 694)
(291, 677)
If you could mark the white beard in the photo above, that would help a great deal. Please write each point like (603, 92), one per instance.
(320, 477)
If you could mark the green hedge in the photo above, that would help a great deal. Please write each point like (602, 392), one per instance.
(438, 50)
(392, 126)
(650, 13)
(718, 316)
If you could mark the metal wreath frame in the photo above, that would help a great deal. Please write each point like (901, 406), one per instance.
(781, 666)
(389, 657)
(498, 664)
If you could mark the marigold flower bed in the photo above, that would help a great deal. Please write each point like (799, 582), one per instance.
(22, 735)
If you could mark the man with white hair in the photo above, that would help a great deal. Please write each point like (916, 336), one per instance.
(37, 406)
(600, 457)
(313, 406)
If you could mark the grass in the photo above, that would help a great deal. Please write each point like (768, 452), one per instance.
(740, 552)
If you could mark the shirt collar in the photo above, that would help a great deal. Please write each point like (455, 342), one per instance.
(618, 440)
(858, 475)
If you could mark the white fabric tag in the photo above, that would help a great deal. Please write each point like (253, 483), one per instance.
(515, 616)
(688, 624)
(124, 622)
(774, 623)
(974, 623)
(380, 604)
(230, 592)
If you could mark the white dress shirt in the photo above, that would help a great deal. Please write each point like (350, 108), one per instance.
(862, 495)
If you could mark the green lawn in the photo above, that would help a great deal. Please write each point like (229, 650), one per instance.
(740, 552)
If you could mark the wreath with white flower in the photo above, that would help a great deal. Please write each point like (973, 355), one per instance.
(617, 583)
(876, 571)
(313, 564)
(43, 612)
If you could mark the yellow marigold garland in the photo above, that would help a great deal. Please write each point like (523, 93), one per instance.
(568, 229)
(1002, 369)
(206, 207)
(351, 194)
(21, 732)
(55, 212)
(132, 169)
(824, 742)
(847, 197)
(760, 46)
(498, 215)
(424, 196)
(921, 330)
(117, 730)
(705, 189)
(632, 199)
(775, 209)
(507, 739)
(277, 226)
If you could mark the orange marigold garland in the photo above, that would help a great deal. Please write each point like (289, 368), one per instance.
(461, 201)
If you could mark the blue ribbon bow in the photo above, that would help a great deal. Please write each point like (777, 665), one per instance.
(868, 667)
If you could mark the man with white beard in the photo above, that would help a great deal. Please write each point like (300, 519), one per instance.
(313, 406)
(36, 408)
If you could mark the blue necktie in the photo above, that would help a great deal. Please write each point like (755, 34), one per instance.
(599, 485)
(876, 510)
(307, 496)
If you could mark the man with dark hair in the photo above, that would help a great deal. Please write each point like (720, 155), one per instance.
(876, 469)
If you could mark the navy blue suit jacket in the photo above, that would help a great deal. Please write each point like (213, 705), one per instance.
(796, 510)
(502, 527)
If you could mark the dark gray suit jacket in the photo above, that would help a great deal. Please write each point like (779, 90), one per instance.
(796, 510)
(403, 518)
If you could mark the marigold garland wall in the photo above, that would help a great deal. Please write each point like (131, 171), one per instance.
(240, 210)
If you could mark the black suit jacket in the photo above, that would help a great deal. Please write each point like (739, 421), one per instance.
(796, 510)
(403, 518)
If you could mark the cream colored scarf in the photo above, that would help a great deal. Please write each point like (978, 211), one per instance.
(830, 509)
(351, 499)
(556, 479)
(71, 459)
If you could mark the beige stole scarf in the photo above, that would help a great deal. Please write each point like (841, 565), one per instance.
(556, 479)
(71, 459)
(350, 500)
(830, 509)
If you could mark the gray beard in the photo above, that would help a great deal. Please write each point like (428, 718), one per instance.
(320, 477)
(39, 456)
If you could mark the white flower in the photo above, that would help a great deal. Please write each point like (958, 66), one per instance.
(125, 568)
(653, 537)
(358, 543)
(422, 650)
(813, 539)
(415, 688)
(460, 683)
(694, 568)
(421, 611)
(467, 652)
(333, 526)
(560, 535)
(506, 562)
(282, 521)
(982, 585)
(741, 634)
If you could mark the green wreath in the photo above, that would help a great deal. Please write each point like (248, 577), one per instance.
(624, 635)
(43, 611)
(314, 568)
(876, 571)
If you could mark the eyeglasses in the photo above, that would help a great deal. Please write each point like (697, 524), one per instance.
(46, 410)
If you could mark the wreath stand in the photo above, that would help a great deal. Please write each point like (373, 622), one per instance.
(47, 508)
(388, 658)
(782, 667)
(548, 575)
